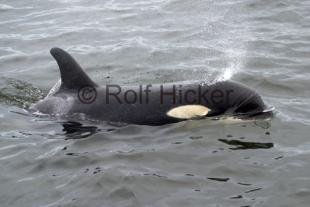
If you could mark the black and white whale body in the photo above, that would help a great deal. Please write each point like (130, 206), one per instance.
(144, 104)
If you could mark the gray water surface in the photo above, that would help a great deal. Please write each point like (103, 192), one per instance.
(46, 161)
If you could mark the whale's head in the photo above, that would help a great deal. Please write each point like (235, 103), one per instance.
(237, 100)
(253, 107)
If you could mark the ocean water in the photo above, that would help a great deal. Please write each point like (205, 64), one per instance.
(51, 162)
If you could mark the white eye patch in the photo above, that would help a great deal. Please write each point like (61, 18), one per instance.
(188, 112)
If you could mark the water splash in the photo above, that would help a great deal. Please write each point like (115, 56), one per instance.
(233, 42)
(234, 59)
(235, 65)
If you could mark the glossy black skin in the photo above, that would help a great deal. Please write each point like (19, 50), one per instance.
(235, 99)
(150, 108)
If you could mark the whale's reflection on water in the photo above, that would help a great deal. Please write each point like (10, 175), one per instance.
(76, 130)
(80, 129)
(243, 145)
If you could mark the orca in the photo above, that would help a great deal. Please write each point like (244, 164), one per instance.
(149, 104)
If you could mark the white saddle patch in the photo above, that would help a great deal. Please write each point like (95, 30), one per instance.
(188, 112)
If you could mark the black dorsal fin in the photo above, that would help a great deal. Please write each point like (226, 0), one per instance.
(71, 73)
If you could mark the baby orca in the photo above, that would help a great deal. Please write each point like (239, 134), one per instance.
(144, 104)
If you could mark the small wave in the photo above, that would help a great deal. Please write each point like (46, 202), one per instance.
(5, 7)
